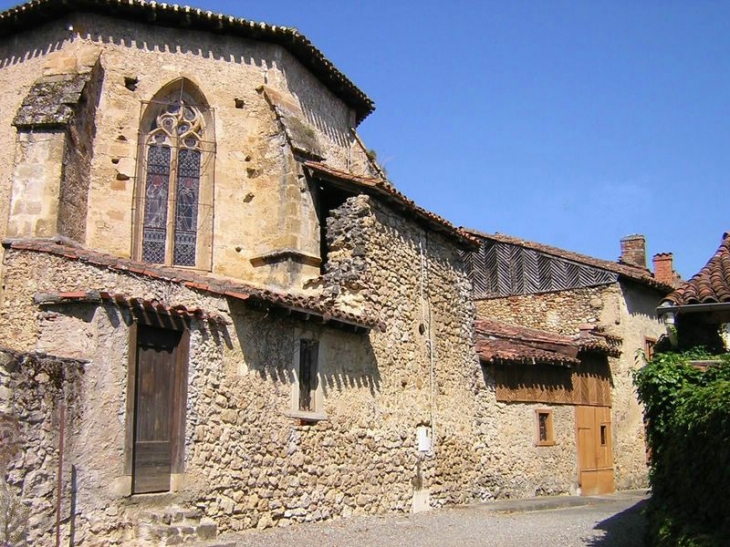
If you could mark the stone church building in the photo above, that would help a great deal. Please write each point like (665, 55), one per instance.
(216, 314)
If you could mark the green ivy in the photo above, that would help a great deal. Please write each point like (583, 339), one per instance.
(687, 417)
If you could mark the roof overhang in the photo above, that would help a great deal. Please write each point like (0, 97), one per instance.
(693, 308)
(307, 308)
(384, 191)
(38, 12)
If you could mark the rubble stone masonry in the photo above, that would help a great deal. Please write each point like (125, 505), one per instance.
(623, 309)
(250, 458)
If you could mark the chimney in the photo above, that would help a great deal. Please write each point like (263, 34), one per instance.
(633, 250)
(663, 268)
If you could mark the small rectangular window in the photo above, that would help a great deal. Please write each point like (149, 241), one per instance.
(649, 348)
(603, 435)
(308, 350)
(544, 428)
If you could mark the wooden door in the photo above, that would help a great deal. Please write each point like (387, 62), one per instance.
(158, 399)
(595, 456)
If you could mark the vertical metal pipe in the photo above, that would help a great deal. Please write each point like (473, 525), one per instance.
(61, 432)
(429, 340)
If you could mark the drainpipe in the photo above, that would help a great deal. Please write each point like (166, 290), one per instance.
(429, 342)
(61, 433)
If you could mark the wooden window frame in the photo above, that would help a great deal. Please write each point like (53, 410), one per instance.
(307, 374)
(308, 352)
(649, 344)
(549, 429)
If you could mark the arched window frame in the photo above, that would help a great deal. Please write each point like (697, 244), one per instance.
(173, 198)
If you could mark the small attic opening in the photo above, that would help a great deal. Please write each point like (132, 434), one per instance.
(326, 199)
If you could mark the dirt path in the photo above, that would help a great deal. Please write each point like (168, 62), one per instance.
(614, 521)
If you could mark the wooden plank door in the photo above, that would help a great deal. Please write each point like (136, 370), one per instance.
(595, 456)
(156, 409)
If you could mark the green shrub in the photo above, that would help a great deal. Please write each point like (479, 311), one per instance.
(687, 416)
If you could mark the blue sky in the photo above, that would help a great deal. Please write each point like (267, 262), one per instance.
(568, 123)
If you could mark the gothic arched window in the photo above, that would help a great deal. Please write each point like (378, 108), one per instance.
(174, 189)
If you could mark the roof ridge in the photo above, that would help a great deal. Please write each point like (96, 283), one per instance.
(30, 13)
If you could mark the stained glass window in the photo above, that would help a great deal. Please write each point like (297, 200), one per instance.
(186, 210)
(155, 204)
(172, 183)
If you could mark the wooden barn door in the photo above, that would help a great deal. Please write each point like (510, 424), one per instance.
(159, 407)
(595, 456)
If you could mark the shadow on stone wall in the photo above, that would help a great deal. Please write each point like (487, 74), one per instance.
(641, 300)
(18, 55)
(268, 342)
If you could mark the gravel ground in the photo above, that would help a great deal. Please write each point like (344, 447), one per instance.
(610, 521)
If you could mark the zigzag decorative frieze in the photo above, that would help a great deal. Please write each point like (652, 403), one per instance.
(531, 271)
(517, 277)
(501, 269)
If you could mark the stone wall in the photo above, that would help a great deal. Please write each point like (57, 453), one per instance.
(561, 311)
(36, 187)
(79, 150)
(637, 322)
(39, 399)
(416, 281)
(507, 443)
(262, 203)
(624, 309)
(251, 460)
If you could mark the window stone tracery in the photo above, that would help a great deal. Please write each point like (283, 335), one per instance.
(171, 205)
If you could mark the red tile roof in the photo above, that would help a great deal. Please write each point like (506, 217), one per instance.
(633, 273)
(384, 190)
(38, 12)
(302, 305)
(711, 284)
(123, 301)
(498, 342)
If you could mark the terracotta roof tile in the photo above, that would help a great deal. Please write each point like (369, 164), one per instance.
(634, 273)
(498, 342)
(384, 190)
(38, 12)
(711, 284)
(123, 301)
(309, 305)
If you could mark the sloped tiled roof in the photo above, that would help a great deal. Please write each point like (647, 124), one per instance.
(633, 273)
(37, 12)
(303, 305)
(121, 300)
(382, 189)
(711, 284)
(498, 342)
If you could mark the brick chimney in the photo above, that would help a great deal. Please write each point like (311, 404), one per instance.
(663, 268)
(633, 250)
